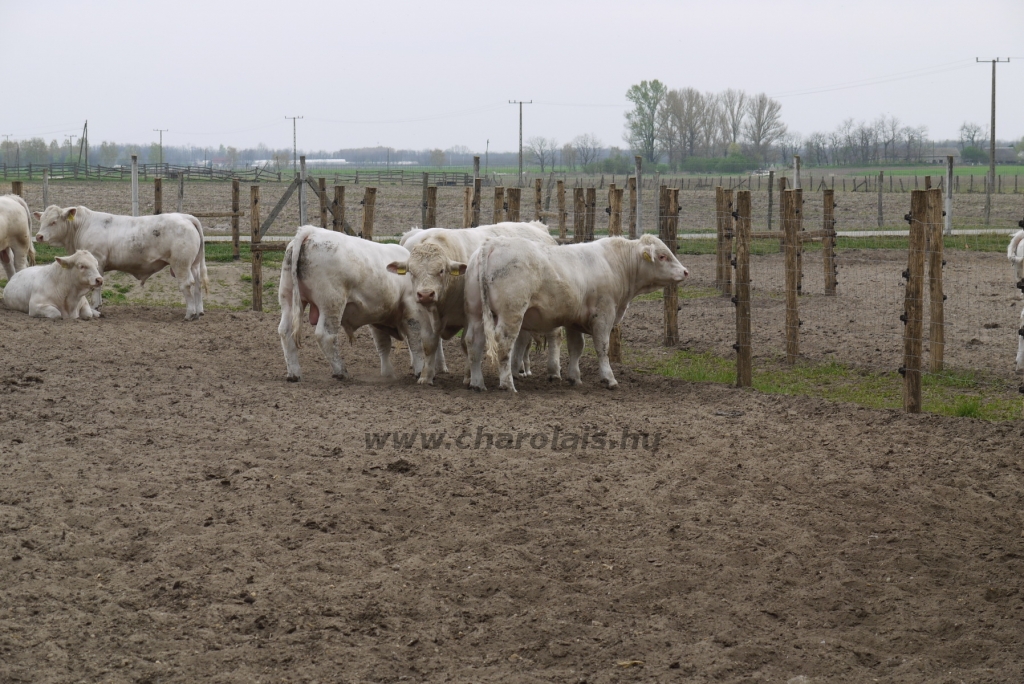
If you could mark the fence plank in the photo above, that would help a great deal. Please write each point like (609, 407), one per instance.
(936, 335)
(913, 305)
(255, 235)
(744, 370)
(792, 244)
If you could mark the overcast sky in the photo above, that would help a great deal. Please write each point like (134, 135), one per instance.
(438, 74)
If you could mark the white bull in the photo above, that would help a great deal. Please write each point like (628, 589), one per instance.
(56, 290)
(514, 284)
(16, 249)
(346, 283)
(1015, 253)
(137, 245)
(437, 261)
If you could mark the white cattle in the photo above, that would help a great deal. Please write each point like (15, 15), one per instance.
(56, 290)
(346, 283)
(16, 248)
(137, 245)
(1015, 253)
(1020, 343)
(437, 261)
(515, 284)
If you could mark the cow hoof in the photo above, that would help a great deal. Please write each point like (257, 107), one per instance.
(294, 378)
(478, 388)
(554, 378)
(575, 382)
(610, 384)
(423, 381)
(340, 376)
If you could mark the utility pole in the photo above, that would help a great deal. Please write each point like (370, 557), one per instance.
(71, 145)
(161, 131)
(992, 142)
(295, 147)
(487, 156)
(520, 103)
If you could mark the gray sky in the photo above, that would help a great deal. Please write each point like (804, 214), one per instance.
(437, 74)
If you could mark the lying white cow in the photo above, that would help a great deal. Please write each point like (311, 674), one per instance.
(437, 261)
(16, 248)
(514, 284)
(1015, 253)
(138, 245)
(346, 283)
(56, 290)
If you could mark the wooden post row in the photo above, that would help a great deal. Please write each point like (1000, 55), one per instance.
(369, 205)
(744, 370)
(913, 303)
(671, 294)
(236, 200)
(791, 242)
(499, 204)
(257, 256)
(513, 196)
(17, 188)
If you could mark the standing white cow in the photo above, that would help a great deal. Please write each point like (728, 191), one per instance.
(56, 290)
(515, 284)
(137, 245)
(16, 248)
(346, 283)
(1015, 253)
(437, 261)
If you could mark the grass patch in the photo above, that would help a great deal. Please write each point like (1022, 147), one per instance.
(3, 283)
(951, 393)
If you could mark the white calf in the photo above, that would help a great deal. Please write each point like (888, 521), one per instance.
(56, 290)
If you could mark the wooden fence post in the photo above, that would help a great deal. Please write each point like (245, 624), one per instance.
(423, 202)
(369, 204)
(431, 221)
(499, 204)
(46, 188)
(798, 211)
(727, 235)
(744, 370)
(561, 211)
(771, 185)
(591, 218)
(791, 240)
(257, 256)
(235, 207)
(158, 195)
(513, 196)
(579, 214)
(631, 186)
(720, 242)
(937, 328)
(615, 206)
(135, 185)
(181, 192)
(828, 243)
(476, 198)
(467, 207)
(18, 188)
(671, 294)
(322, 183)
(881, 179)
(338, 223)
(538, 200)
(913, 329)
(302, 191)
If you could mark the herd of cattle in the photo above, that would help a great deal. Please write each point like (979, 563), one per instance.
(506, 285)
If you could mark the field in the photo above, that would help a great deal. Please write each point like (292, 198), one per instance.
(173, 510)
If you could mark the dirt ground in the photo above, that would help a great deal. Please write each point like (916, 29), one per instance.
(172, 511)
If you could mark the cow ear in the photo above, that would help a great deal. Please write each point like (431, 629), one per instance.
(399, 267)
(457, 269)
(37, 214)
(647, 254)
(69, 214)
(62, 262)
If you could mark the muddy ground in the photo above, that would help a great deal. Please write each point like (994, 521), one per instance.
(171, 510)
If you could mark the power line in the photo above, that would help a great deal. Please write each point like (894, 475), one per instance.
(879, 80)
(520, 103)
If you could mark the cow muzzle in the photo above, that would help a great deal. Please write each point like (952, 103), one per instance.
(40, 238)
(98, 282)
(425, 296)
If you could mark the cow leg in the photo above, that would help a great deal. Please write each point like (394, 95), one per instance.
(197, 288)
(506, 332)
(431, 340)
(1020, 343)
(183, 274)
(574, 340)
(43, 310)
(554, 341)
(7, 259)
(327, 329)
(86, 312)
(439, 362)
(521, 354)
(288, 344)
(601, 336)
(475, 345)
(382, 341)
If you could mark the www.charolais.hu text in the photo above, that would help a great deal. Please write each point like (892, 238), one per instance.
(555, 439)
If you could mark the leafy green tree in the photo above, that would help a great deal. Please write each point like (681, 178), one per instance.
(973, 155)
(642, 122)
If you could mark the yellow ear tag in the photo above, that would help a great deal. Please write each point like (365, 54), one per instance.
(64, 264)
(400, 271)
(455, 272)
(647, 256)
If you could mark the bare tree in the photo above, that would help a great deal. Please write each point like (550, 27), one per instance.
(569, 156)
(734, 107)
(969, 133)
(763, 125)
(891, 136)
(817, 148)
(587, 147)
(542, 150)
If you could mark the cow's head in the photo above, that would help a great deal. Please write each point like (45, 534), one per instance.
(430, 270)
(85, 270)
(657, 265)
(55, 224)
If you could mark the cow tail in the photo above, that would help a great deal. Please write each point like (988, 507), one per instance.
(490, 335)
(31, 241)
(203, 278)
(1011, 251)
(296, 250)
